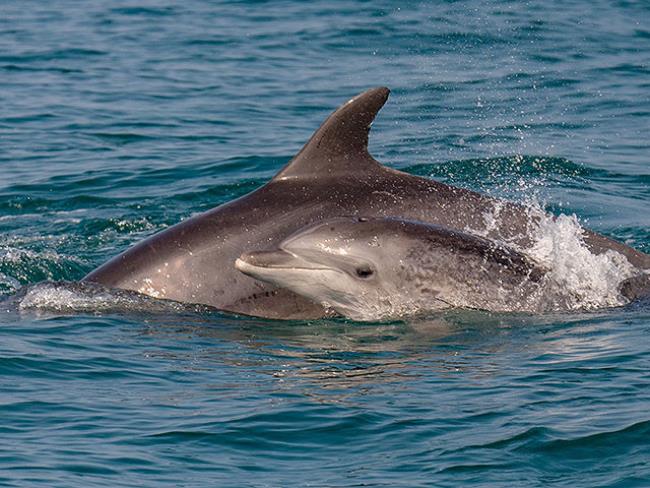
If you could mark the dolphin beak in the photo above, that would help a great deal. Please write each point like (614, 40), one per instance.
(267, 259)
(258, 263)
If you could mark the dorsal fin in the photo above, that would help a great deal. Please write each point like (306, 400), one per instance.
(341, 143)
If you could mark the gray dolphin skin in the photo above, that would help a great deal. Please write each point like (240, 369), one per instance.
(331, 176)
(382, 268)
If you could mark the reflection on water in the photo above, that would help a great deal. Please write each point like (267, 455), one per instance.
(338, 360)
(443, 392)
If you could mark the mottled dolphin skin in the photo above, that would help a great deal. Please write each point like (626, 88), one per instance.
(385, 268)
(331, 176)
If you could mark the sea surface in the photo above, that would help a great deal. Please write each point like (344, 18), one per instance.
(121, 118)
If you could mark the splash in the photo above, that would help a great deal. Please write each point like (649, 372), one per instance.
(577, 279)
(73, 297)
(62, 296)
(583, 279)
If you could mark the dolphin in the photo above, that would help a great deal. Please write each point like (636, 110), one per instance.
(386, 268)
(332, 175)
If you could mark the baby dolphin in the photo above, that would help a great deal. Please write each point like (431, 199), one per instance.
(381, 268)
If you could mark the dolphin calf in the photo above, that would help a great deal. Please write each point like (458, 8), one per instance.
(381, 268)
(332, 175)
(385, 268)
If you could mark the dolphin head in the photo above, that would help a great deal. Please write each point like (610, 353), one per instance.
(349, 264)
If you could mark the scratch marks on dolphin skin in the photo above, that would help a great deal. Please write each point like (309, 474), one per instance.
(395, 198)
(147, 288)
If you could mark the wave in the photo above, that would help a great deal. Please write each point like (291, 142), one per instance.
(75, 297)
(27, 266)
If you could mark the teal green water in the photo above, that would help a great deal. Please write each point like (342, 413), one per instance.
(119, 119)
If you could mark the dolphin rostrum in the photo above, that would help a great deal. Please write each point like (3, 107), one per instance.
(332, 175)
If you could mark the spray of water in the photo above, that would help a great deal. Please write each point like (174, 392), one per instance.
(577, 279)
(584, 279)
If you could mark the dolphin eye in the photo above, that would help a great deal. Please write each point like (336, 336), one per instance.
(364, 271)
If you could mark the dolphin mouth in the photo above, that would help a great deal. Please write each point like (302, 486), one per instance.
(272, 260)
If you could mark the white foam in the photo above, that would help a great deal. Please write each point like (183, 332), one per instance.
(58, 297)
(577, 279)
(583, 279)
(75, 297)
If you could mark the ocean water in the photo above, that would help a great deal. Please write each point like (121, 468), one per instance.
(118, 119)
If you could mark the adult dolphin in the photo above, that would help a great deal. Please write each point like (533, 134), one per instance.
(333, 175)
